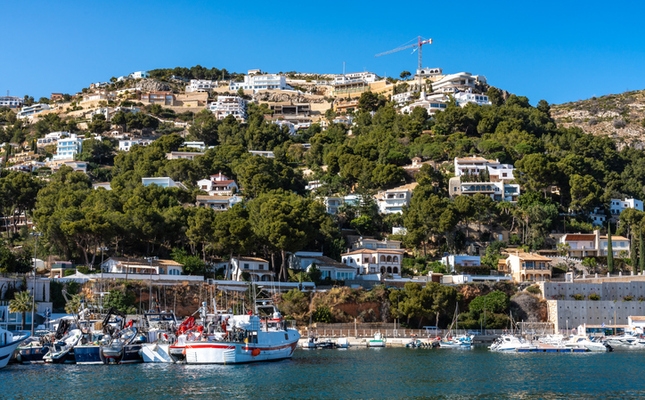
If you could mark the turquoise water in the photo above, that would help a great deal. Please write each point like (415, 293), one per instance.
(389, 373)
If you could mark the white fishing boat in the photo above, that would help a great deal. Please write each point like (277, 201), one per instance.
(247, 339)
(161, 335)
(9, 342)
(377, 341)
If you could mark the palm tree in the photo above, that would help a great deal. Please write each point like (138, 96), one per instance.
(22, 302)
(73, 305)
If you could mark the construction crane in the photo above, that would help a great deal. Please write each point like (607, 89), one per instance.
(418, 45)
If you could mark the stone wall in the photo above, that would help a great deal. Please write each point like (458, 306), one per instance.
(615, 291)
(571, 313)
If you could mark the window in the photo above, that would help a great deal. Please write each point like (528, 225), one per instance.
(261, 267)
(246, 266)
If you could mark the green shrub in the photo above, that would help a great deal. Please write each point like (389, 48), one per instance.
(594, 296)
(578, 296)
(534, 290)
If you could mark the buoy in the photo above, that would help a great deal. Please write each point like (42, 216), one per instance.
(255, 352)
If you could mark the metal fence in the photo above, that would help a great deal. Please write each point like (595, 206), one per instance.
(397, 332)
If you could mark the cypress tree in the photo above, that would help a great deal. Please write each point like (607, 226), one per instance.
(641, 254)
(633, 255)
(610, 251)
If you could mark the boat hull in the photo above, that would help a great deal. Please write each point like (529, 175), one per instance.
(7, 350)
(31, 354)
(156, 353)
(236, 353)
(88, 354)
(128, 354)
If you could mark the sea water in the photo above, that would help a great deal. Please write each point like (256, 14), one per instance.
(357, 373)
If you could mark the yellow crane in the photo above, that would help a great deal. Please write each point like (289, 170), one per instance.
(418, 45)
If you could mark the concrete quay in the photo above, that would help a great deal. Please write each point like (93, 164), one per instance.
(392, 341)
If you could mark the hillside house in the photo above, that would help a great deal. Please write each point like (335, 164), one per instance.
(229, 105)
(218, 184)
(257, 268)
(135, 266)
(392, 201)
(257, 82)
(594, 244)
(217, 203)
(162, 181)
(523, 267)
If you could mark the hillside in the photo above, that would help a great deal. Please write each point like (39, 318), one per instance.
(619, 116)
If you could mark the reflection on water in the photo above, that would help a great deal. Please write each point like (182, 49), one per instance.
(355, 373)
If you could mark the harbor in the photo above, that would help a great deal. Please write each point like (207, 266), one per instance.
(357, 373)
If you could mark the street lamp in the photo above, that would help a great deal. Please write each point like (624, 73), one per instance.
(33, 288)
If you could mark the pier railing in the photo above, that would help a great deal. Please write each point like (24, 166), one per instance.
(396, 332)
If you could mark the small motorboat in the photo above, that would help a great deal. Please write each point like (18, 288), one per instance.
(62, 351)
(377, 341)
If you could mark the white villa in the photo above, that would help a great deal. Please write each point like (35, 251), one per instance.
(200, 85)
(256, 82)
(126, 144)
(459, 82)
(468, 97)
(593, 244)
(460, 260)
(68, 147)
(229, 105)
(616, 207)
(392, 201)
(217, 203)
(163, 181)
(134, 266)
(30, 111)
(497, 178)
(10, 101)
(257, 268)
(218, 184)
(375, 261)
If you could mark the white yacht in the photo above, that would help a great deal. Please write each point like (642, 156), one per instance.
(510, 343)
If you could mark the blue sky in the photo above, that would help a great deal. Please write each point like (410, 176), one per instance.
(548, 50)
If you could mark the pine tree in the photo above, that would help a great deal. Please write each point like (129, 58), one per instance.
(641, 254)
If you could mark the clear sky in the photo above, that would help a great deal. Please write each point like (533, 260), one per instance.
(554, 50)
